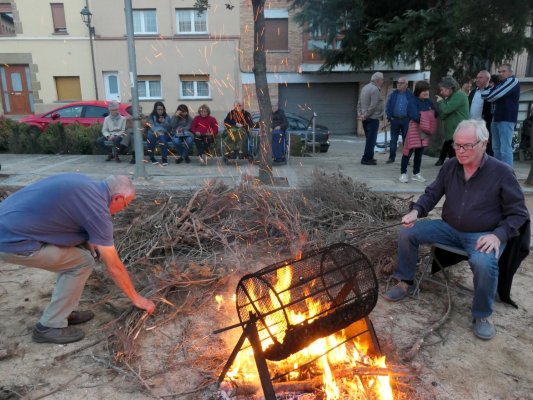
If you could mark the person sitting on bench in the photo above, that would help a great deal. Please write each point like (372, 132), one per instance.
(114, 130)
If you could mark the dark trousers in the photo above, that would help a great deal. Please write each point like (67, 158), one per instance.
(370, 126)
(397, 127)
(113, 151)
(447, 150)
(203, 144)
(416, 163)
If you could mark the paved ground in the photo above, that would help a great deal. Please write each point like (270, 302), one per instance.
(344, 156)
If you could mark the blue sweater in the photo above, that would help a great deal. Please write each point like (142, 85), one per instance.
(505, 98)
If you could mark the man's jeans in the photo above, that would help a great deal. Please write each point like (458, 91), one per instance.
(502, 141)
(484, 266)
(397, 127)
(370, 126)
(73, 266)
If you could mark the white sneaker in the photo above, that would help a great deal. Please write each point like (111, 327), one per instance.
(418, 178)
(404, 178)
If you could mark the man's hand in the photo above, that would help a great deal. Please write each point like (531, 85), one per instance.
(93, 249)
(145, 304)
(408, 220)
(488, 243)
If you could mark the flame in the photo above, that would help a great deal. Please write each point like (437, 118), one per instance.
(343, 354)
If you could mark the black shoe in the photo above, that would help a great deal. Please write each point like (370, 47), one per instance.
(154, 161)
(164, 162)
(109, 157)
(70, 334)
(117, 159)
(80, 317)
(179, 160)
(187, 160)
(368, 162)
(390, 161)
(439, 163)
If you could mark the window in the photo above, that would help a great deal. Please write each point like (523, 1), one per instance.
(191, 21)
(7, 25)
(95, 112)
(276, 34)
(58, 17)
(67, 112)
(144, 22)
(149, 87)
(194, 87)
(68, 88)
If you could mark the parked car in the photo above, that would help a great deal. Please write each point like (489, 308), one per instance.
(85, 113)
(303, 127)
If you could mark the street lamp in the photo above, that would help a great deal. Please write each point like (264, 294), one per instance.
(86, 17)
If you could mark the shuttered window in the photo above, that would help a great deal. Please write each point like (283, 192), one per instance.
(58, 18)
(277, 34)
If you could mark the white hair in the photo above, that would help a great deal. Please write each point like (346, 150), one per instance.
(480, 128)
(120, 184)
(376, 76)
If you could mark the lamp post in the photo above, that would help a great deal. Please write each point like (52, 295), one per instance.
(86, 17)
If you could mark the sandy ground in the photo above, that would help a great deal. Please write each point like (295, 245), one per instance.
(174, 357)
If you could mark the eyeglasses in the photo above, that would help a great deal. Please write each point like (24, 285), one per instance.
(402, 83)
(466, 146)
(502, 71)
(160, 109)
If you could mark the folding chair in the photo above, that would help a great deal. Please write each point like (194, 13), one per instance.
(432, 261)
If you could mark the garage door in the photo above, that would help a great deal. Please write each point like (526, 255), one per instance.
(334, 103)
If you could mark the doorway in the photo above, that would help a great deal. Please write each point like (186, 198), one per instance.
(112, 87)
(15, 85)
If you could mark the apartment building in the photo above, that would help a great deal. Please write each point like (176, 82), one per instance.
(183, 56)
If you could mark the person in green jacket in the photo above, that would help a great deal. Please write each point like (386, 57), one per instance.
(453, 108)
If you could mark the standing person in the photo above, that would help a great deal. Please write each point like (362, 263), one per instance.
(419, 102)
(396, 111)
(180, 125)
(505, 96)
(484, 208)
(370, 111)
(466, 87)
(238, 123)
(204, 128)
(60, 224)
(113, 129)
(453, 108)
(279, 134)
(479, 108)
(159, 132)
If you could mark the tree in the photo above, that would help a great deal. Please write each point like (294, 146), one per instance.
(443, 35)
(261, 87)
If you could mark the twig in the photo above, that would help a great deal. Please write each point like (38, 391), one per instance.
(79, 349)
(418, 344)
(57, 389)
(143, 382)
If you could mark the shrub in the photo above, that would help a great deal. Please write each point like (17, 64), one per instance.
(6, 127)
(297, 147)
(24, 139)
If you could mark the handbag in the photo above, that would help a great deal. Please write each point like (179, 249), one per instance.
(428, 122)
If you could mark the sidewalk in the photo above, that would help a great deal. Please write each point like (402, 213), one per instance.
(344, 156)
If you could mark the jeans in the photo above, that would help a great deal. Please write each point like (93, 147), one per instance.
(370, 126)
(155, 138)
(484, 266)
(73, 266)
(416, 163)
(502, 141)
(397, 127)
(183, 145)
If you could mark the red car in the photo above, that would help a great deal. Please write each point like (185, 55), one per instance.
(84, 113)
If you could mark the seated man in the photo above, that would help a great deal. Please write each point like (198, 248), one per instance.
(113, 129)
(484, 208)
(238, 123)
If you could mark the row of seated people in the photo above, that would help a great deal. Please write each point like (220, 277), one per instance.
(183, 131)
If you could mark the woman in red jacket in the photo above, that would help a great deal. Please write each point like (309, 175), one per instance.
(204, 127)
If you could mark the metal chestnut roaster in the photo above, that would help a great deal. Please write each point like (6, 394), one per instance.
(285, 307)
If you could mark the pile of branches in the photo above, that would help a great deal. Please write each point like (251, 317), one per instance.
(174, 241)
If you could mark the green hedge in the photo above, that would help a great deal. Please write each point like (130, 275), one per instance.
(20, 138)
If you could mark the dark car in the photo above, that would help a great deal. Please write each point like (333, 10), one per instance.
(85, 113)
(303, 127)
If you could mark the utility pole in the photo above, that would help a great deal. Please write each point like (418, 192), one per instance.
(140, 171)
